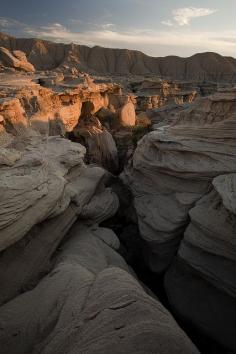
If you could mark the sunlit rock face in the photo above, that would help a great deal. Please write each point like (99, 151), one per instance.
(45, 55)
(16, 60)
(50, 112)
(88, 110)
(127, 114)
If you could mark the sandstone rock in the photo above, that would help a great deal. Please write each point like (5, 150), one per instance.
(204, 270)
(127, 114)
(165, 115)
(9, 157)
(25, 262)
(173, 167)
(16, 60)
(89, 303)
(101, 147)
(225, 185)
(38, 109)
(156, 93)
(14, 119)
(41, 185)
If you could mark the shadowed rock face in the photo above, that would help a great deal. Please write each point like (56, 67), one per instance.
(206, 260)
(89, 303)
(101, 147)
(45, 55)
(183, 180)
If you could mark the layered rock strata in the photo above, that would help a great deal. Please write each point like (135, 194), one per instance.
(183, 181)
(204, 269)
(42, 181)
(89, 303)
(173, 167)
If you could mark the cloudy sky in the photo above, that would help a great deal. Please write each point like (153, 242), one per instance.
(156, 27)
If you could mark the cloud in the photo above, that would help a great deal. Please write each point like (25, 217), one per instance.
(108, 26)
(168, 23)
(184, 15)
(156, 43)
(9, 23)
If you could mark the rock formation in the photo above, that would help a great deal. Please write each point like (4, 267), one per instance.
(99, 142)
(183, 181)
(89, 303)
(16, 60)
(41, 110)
(64, 287)
(155, 93)
(41, 185)
(127, 114)
(206, 260)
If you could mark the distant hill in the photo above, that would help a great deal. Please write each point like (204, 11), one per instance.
(46, 55)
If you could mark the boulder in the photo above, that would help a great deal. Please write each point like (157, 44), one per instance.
(16, 60)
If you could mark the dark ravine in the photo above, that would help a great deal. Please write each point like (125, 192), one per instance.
(124, 224)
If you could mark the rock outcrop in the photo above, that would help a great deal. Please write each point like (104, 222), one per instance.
(101, 147)
(183, 181)
(173, 167)
(45, 55)
(16, 60)
(89, 303)
(155, 93)
(65, 103)
(41, 182)
(127, 115)
(206, 259)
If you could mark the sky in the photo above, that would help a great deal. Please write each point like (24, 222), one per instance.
(158, 28)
